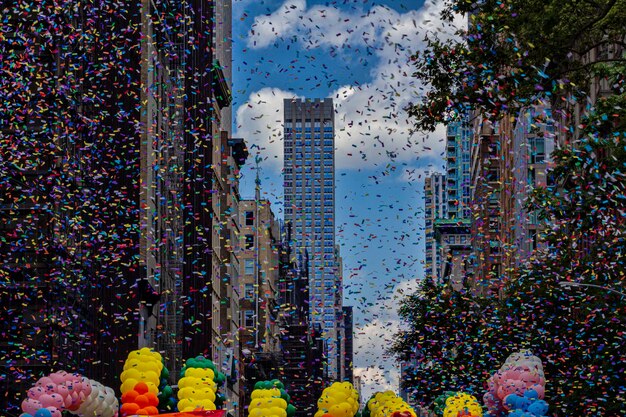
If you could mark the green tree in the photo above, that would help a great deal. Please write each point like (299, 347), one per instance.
(514, 53)
(449, 343)
(518, 53)
(581, 334)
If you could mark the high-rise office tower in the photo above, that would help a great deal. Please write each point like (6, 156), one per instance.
(309, 187)
(458, 155)
(453, 232)
(447, 210)
(348, 358)
(434, 208)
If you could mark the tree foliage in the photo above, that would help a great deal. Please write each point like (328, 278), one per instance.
(580, 333)
(450, 342)
(513, 53)
(516, 53)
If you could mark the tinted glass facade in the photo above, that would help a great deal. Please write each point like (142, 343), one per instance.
(309, 169)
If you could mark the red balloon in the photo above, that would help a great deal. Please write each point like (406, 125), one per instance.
(153, 400)
(141, 387)
(151, 410)
(142, 401)
(129, 396)
(128, 409)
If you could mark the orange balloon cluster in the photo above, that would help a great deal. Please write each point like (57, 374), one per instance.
(140, 400)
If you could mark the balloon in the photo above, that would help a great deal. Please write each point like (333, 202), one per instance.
(142, 401)
(44, 381)
(538, 408)
(539, 389)
(43, 412)
(129, 408)
(531, 394)
(30, 405)
(141, 387)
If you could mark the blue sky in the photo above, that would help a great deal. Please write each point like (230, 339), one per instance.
(355, 52)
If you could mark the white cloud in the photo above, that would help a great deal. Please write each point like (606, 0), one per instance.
(375, 378)
(371, 126)
(378, 370)
(268, 27)
(260, 123)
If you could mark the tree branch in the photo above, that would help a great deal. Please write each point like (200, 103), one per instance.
(588, 26)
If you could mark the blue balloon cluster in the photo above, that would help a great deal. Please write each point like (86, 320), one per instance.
(527, 406)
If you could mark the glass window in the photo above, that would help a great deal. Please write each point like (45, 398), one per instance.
(249, 218)
(248, 268)
(249, 242)
(249, 318)
(248, 292)
(537, 150)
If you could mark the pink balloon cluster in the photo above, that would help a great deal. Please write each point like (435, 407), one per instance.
(62, 391)
(522, 371)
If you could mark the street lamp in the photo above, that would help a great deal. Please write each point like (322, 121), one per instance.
(568, 284)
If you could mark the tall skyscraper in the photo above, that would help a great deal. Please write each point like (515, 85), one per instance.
(434, 208)
(309, 168)
(348, 324)
(447, 210)
(453, 232)
(458, 155)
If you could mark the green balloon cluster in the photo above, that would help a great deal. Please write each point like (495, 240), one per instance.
(167, 400)
(439, 405)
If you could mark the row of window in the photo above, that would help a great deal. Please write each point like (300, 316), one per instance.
(308, 154)
(327, 168)
(315, 143)
(318, 190)
(327, 203)
(327, 182)
(316, 120)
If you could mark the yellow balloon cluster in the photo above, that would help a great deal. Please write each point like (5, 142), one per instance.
(338, 400)
(267, 403)
(462, 404)
(143, 365)
(385, 404)
(196, 390)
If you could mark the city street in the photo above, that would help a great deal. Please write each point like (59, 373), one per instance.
(313, 208)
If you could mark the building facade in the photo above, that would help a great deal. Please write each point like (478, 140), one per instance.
(510, 158)
(120, 182)
(435, 207)
(302, 367)
(258, 284)
(69, 192)
(487, 193)
(348, 326)
(458, 154)
(452, 233)
(309, 188)
(530, 158)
